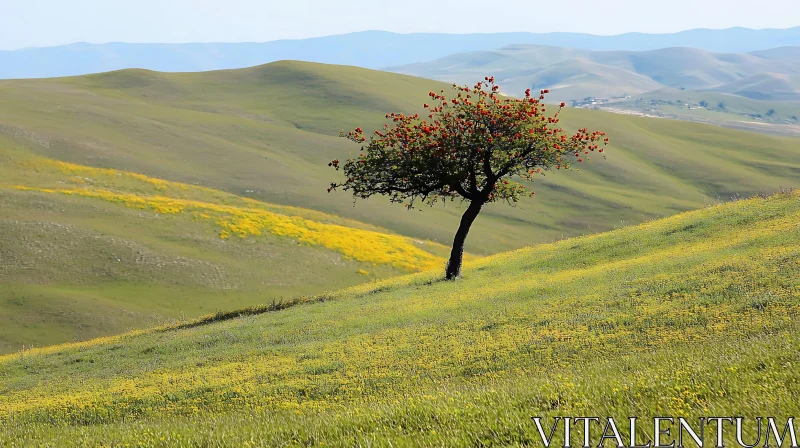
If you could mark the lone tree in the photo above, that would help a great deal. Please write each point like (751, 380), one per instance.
(477, 146)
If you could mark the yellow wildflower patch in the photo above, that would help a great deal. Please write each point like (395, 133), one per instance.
(356, 244)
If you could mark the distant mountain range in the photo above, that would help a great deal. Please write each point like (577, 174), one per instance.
(574, 74)
(370, 49)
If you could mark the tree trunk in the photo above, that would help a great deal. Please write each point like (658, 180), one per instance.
(454, 265)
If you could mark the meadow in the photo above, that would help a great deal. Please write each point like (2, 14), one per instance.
(778, 117)
(268, 133)
(87, 252)
(757, 80)
(691, 315)
(135, 198)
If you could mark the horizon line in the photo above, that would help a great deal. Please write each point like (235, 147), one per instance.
(396, 33)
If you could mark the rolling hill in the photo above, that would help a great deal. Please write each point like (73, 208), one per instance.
(573, 74)
(268, 133)
(696, 314)
(148, 178)
(87, 252)
(764, 86)
(369, 49)
(725, 109)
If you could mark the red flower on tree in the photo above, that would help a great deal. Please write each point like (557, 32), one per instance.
(478, 151)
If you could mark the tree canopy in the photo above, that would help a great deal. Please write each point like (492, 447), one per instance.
(479, 146)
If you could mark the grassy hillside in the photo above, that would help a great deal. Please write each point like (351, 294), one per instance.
(523, 66)
(764, 86)
(783, 111)
(778, 117)
(692, 315)
(579, 78)
(268, 132)
(614, 79)
(87, 252)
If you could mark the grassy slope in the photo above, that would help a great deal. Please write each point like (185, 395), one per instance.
(692, 315)
(765, 86)
(87, 252)
(573, 74)
(737, 111)
(268, 133)
(675, 67)
(734, 104)
(569, 73)
(581, 78)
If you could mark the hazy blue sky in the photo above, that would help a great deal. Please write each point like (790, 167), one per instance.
(28, 23)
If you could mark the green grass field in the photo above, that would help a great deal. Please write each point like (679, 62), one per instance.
(573, 74)
(85, 252)
(691, 315)
(760, 87)
(268, 133)
(780, 117)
